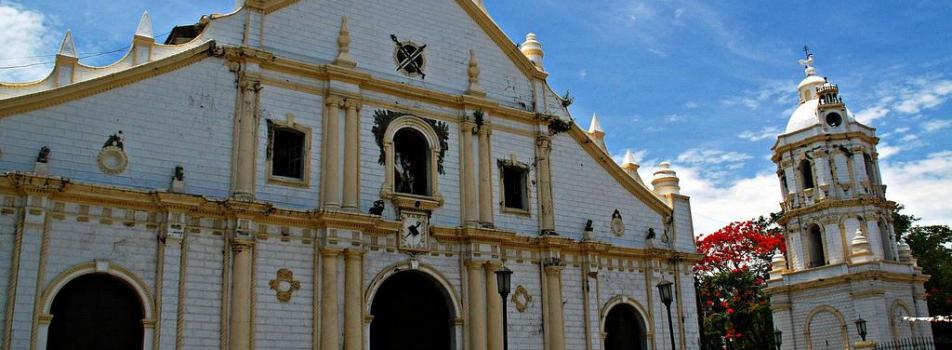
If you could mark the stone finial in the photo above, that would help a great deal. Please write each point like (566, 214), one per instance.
(778, 262)
(631, 166)
(665, 180)
(859, 247)
(67, 47)
(474, 71)
(596, 132)
(532, 48)
(905, 253)
(343, 45)
(145, 26)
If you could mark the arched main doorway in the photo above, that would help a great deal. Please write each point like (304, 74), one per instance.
(411, 312)
(625, 329)
(96, 311)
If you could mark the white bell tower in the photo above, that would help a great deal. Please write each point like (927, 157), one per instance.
(842, 261)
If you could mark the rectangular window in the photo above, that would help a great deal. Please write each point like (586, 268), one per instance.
(514, 184)
(286, 152)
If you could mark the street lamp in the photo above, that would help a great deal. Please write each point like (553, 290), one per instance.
(664, 289)
(861, 327)
(777, 338)
(503, 281)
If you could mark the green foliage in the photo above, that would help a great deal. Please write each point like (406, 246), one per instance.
(930, 244)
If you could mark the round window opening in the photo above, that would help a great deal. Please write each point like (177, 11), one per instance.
(834, 119)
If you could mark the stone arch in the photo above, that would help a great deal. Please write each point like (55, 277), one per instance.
(439, 281)
(840, 323)
(807, 174)
(433, 143)
(122, 274)
(626, 301)
(897, 325)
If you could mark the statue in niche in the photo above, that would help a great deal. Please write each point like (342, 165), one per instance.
(115, 140)
(44, 156)
(404, 172)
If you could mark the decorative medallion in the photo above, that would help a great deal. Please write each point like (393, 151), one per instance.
(112, 158)
(285, 285)
(409, 57)
(521, 299)
(414, 230)
(618, 226)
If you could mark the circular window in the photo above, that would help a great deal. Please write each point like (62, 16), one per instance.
(112, 160)
(834, 119)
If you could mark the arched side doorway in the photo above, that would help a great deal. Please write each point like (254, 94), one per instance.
(825, 329)
(411, 310)
(624, 326)
(96, 305)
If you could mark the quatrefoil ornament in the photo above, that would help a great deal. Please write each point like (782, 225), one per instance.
(285, 285)
(521, 299)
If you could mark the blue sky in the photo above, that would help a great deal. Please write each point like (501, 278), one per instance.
(705, 85)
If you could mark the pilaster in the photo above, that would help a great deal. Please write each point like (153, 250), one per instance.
(494, 310)
(247, 130)
(330, 328)
(241, 289)
(485, 177)
(553, 309)
(351, 154)
(469, 181)
(477, 305)
(544, 176)
(353, 299)
(331, 163)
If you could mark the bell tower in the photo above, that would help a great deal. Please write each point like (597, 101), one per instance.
(842, 263)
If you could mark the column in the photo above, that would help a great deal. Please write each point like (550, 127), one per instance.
(546, 218)
(477, 306)
(494, 313)
(485, 178)
(332, 154)
(353, 299)
(469, 180)
(247, 127)
(330, 330)
(241, 295)
(351, 153)
(553, 313)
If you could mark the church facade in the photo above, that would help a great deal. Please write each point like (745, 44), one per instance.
(845, 272)
(329, 174)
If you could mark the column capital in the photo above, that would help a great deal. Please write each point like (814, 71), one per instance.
(330, 252)
(474, 264)
(334, 100)
(485, 129)
(240, 245)
(467, 125)
(353, 103)
(351, 254)
(247, 84)
(493, 265)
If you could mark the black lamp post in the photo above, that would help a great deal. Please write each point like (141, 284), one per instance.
(664, 289)
(861, 327)
(503, 281)
(777, 338)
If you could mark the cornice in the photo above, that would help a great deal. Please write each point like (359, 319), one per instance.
(778, 150)
(845, 279)
(834, 203)
(47, 98)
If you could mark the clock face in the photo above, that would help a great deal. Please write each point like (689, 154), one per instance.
(415, 231)
(834, 119)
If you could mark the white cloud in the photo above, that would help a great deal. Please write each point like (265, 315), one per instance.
(583, 73)
(935, 125)
(762, 134)
(691, 105)
(27, 38)
(886, 150)
(777, 92)
(716, 203)
(711, 156)
(922, 186)
(867, 116)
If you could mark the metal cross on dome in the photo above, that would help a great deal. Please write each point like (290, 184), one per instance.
(409, 57)
(807, 62)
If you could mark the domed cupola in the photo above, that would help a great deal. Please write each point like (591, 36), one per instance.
(820, 103)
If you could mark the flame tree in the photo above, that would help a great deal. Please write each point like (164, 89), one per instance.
(731, 278)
